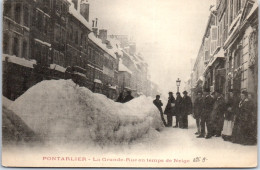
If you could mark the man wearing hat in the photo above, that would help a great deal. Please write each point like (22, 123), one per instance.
(217, 116)
(208, 102)
(186, 109)
(170, 109)
(178, 107)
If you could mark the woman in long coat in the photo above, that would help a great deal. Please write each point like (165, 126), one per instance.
(242, 126)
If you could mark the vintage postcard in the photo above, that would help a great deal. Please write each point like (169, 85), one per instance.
(130, 83)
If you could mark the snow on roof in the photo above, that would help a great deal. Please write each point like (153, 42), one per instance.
(255, 6)
(80, 74)
(237, 19)
(122, 67)
(98, 42)
(20, 61)
(97, 81)
(57, 67)
(116, 46)
(112, 87)
(77, 15)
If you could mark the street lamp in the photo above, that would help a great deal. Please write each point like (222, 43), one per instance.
(178, 83)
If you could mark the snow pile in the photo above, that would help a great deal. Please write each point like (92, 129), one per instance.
(60, 111)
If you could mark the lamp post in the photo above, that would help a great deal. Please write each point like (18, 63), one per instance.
(178, 83)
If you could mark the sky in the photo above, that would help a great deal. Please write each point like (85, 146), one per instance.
(168, 33)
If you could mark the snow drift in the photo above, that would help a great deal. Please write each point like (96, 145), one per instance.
(62, 112)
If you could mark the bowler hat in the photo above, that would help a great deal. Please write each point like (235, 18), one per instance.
(170, 92)
(245, 92)
(185, 92)
(178, 93)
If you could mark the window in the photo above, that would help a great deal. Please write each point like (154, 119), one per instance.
(17, 16)
(62, 35)
(58, 7)
(56, 57)
(25, 46)
(71, 33)
(26, 16)
(5, 43)
(7, 8)
(39, 20)
(62, 61)
(16, 47)
(57, 33)
(76, 37)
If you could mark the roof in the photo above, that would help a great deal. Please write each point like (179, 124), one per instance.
(77, 15)
(98, 42)
(57, 67)
(254, 8)
(122, 67)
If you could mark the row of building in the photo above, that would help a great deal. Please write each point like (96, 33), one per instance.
(228, 55)
(53, 39)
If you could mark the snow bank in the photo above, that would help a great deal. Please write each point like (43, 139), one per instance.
(6, 102)
(62, 112)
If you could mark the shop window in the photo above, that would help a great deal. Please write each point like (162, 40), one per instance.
(25, 46)
(26, 16)
(17, 16)
(5, 43)
(16, 47)
(63, 32)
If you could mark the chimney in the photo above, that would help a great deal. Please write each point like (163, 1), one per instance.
(84, 9)
(96, 22)
(94, 27)
(103, 35)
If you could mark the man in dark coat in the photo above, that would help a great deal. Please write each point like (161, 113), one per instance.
(185, 109)
(208, 102)
(178, 110)
(128, 97)
(158, 103)
(120, 98)
(197, 109)
(169, 109)
(217, 114)
(242, 126)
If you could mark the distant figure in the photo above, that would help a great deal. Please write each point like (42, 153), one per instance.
(120, 97)
(185, 110)
(197, 110)
(128, 97)
(170, 109)
(178, 102)
(158, 103)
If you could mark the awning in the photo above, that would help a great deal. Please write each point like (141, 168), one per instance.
(220, 55)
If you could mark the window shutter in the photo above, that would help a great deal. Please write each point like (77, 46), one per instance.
(214, 39)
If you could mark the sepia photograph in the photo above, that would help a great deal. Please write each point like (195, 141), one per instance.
(130, 83)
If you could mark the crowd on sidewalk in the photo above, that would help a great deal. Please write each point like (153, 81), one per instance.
(233, 119)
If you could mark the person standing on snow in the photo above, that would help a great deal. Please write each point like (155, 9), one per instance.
(208, 102)
(158, 103)
(217, 116)
(185, 109)
(197, 109)
(232, 109)
(178, 103)
(128, 97)
(170, 109)
(242, 126)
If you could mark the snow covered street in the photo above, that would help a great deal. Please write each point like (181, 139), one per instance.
(83, 124)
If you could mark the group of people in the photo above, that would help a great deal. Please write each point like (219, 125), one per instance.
(180, 107)
(234, 119)
(124, 96)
